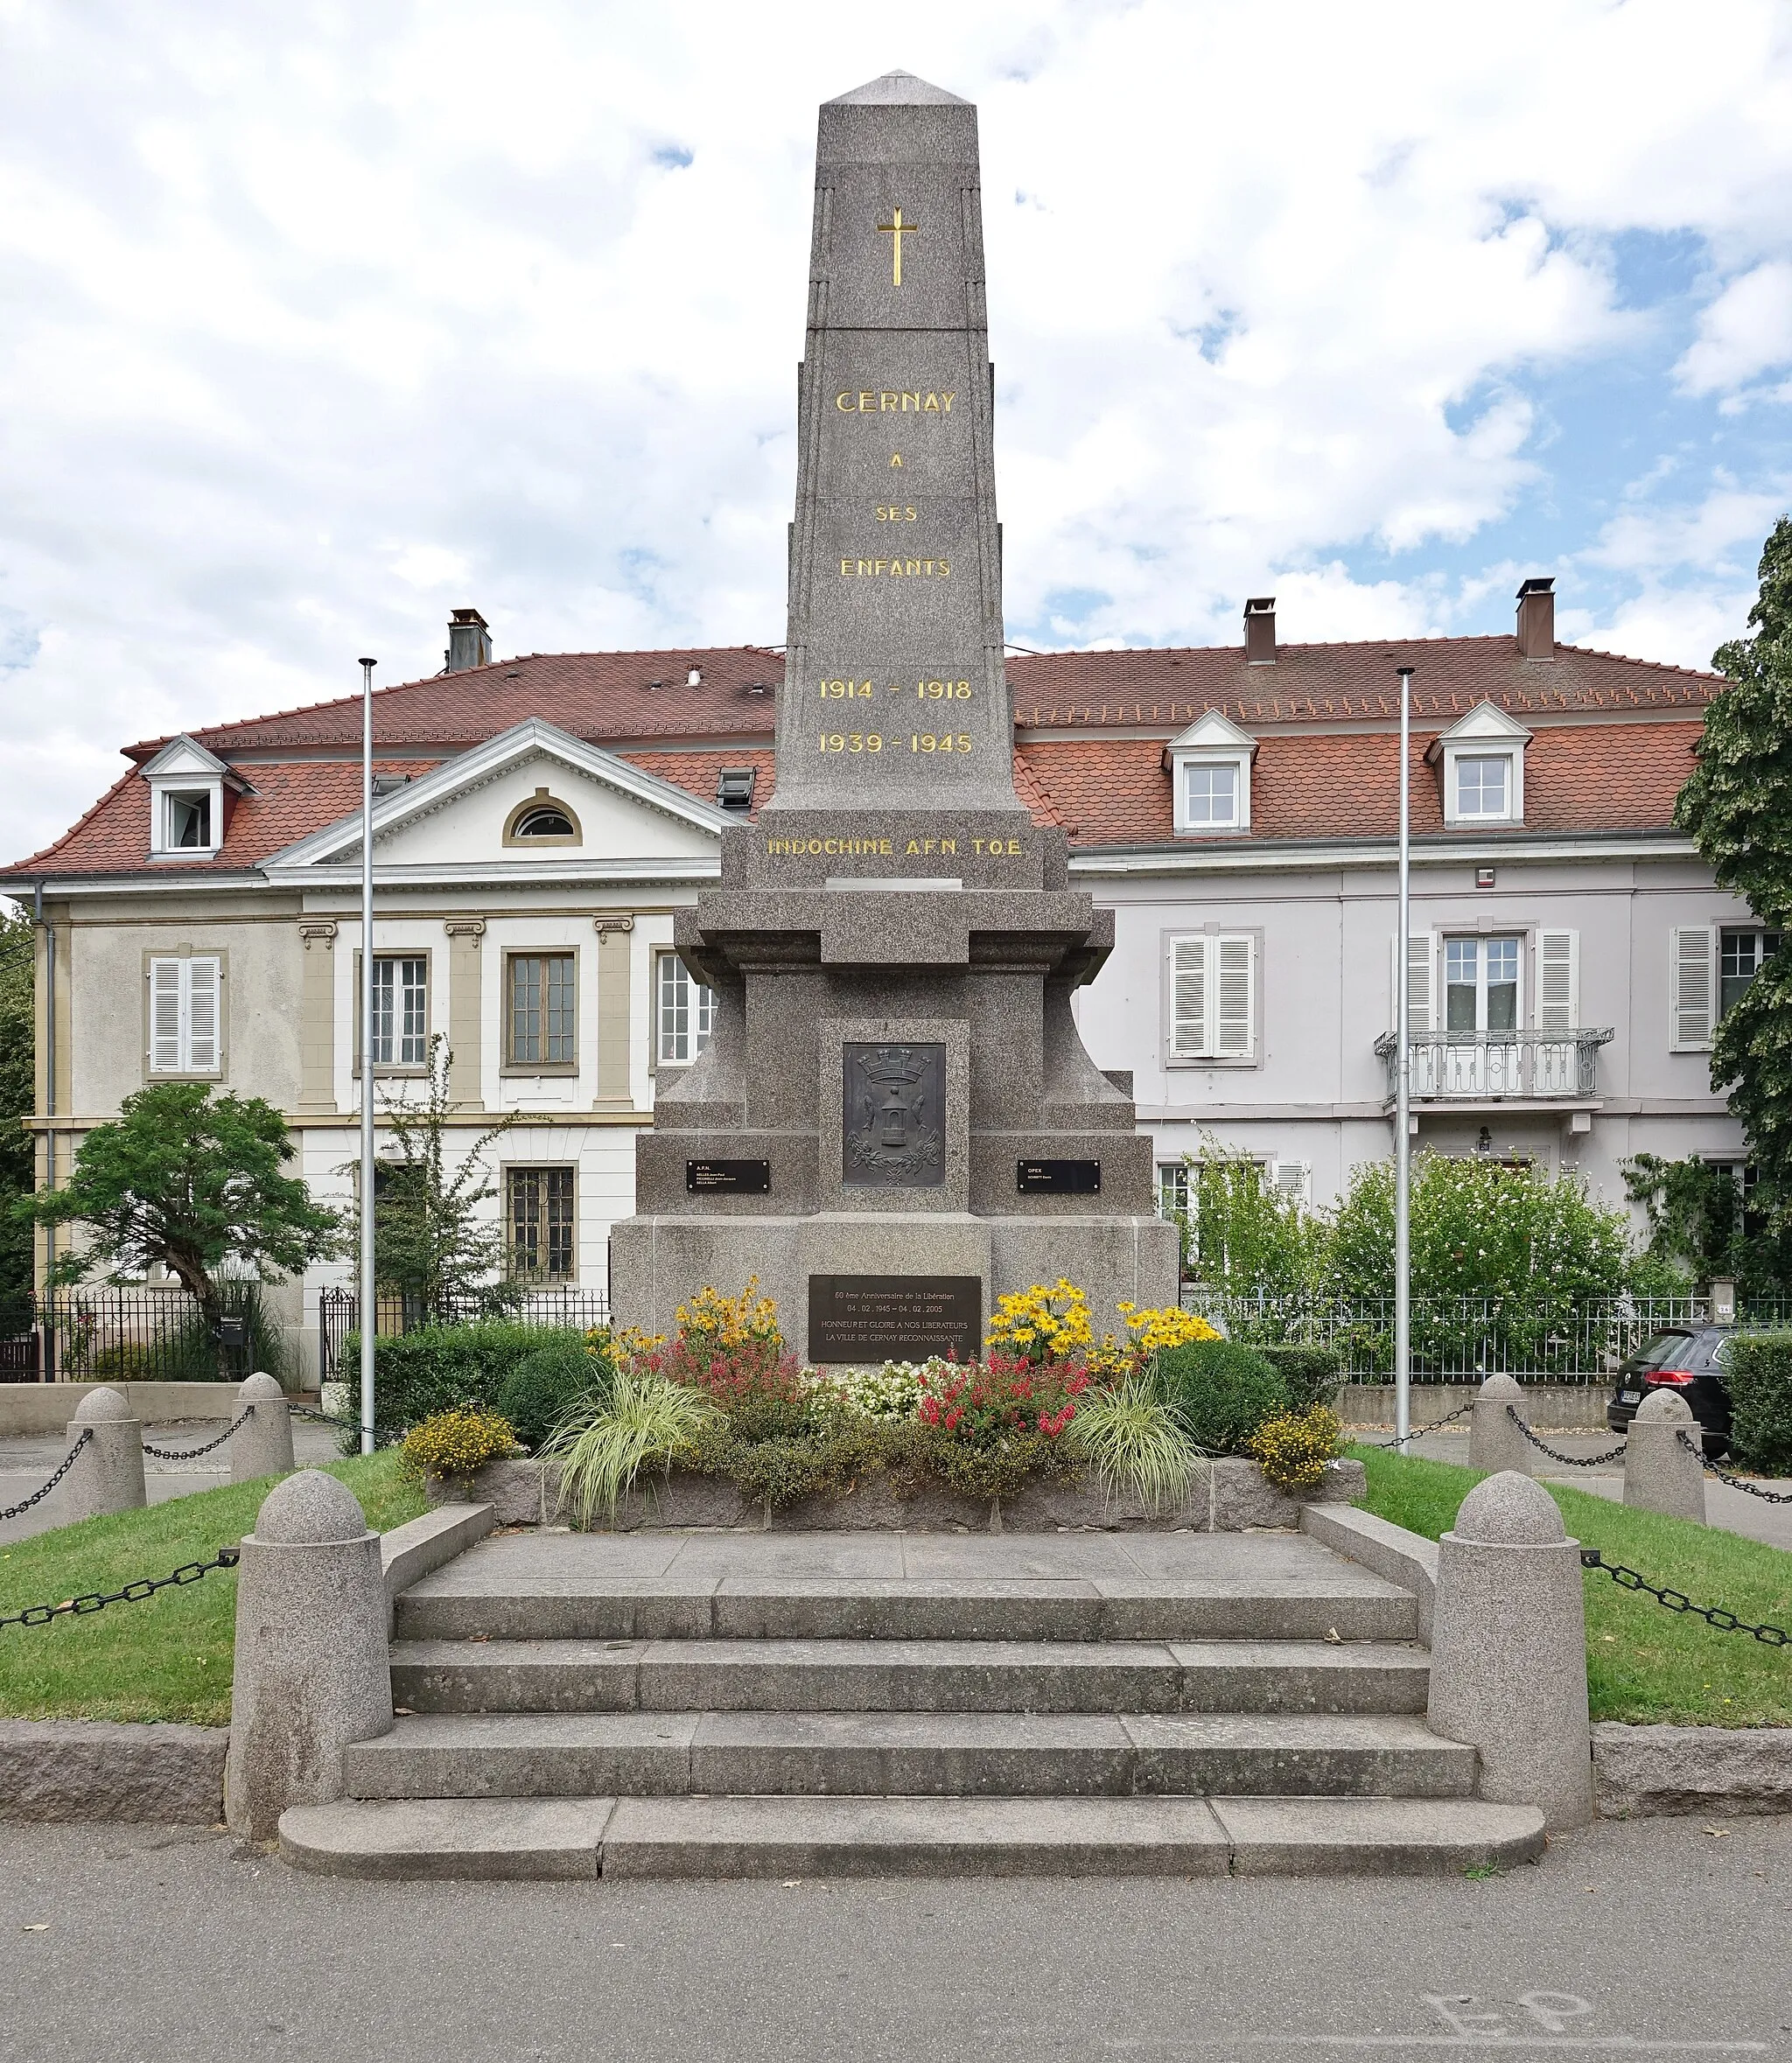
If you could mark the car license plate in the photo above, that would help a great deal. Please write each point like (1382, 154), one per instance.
(1629, 1396)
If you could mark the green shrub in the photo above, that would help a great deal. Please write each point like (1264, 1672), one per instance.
(458, 1443)
(1758, 1368)
(545, 1386)
(1310, 1374)
(643, 1421)
(1293, 1447)
(437, 1366)
(1221, 1392)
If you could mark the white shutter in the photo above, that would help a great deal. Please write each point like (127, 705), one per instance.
(165, 1016)
(1557, 981)
(1233, 1026)
(1188, 999)
(1290, 1180)
(1693, 951)
(201, 1016)
(1421, 957)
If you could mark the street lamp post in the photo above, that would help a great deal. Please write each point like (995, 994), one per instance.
(1402, 1099)
(369, 1317)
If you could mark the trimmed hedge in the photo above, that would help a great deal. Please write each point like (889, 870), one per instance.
(439, 1366)
(1310, 1374)
(543, 1387)
(1220, 1392)
(1758, 1368)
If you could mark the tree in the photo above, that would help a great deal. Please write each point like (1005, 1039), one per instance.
(433, 1242)
(1240, 1235)
(1703, 1223)
(17, 1094)
(1737, 806)
(191, 1180)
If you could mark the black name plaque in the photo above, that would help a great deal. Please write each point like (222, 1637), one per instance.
(739, 1178)
(894, 1318)
(1069, 1178)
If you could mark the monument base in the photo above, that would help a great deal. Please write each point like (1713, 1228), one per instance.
(659, 1263)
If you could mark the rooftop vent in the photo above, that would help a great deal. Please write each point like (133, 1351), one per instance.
(469, 641)
(757, 688)
(734, 788)
(694, 677)
(1260, 631)
(1537, 619)
(389, 784)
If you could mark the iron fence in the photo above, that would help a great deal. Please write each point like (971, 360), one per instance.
(135, 1333)
(1466, 1339)
(551, 1307)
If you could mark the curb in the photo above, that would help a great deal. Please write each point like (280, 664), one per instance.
(1649, 1772)
(55, 1771)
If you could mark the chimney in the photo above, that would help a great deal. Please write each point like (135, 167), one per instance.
(1537, 619)
(469, 642)
(1260, 631)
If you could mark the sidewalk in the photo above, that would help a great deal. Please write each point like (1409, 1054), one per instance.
(28, 1460)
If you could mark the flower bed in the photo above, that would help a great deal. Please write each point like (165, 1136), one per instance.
(1049, 1426)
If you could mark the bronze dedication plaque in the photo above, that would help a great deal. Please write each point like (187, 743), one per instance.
(893, 1317)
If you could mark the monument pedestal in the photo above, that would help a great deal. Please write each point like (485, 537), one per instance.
(895, 1122)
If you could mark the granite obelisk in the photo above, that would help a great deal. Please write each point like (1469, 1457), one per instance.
(896, 1120)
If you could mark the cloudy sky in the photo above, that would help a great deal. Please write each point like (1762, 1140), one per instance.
(320, 321)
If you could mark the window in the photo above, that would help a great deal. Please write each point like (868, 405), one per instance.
(543, 1010)
(686, 1011)
(189, 822)
(545, 823)
(1480, 984)
(185, 997)
(1740, 956)
(401, 1012)
(1482, 780)
(1212, 797)
(734, 788)
(1213, 998)
(538, 1209)
(1173, 1189)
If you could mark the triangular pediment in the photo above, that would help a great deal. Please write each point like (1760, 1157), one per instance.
(466, 813)
(1484, 722)
(181, 758)
(1214, 731)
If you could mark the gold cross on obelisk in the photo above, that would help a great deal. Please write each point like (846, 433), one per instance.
(896, 229)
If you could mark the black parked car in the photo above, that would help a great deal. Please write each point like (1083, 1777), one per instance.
(1688, 1359)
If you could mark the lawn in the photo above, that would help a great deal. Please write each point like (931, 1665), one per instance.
(1643, 1664)
(167, 1657)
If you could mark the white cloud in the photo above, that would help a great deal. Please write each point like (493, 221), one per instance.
(1746, 331)
(319, 322)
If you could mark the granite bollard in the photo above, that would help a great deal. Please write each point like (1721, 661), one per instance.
(1664, 1458)
(108, 1475)
(311, 1674)
(1494, 1442)
(1509, 1649)
(263, 1447)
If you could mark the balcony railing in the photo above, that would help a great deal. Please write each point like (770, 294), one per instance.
(1482, 1067)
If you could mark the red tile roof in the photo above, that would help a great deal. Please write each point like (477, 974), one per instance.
(1315, 783)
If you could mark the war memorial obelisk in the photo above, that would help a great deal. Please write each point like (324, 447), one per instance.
(895, 1122)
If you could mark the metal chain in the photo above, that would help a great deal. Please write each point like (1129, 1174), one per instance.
(1735, 1482)
(145, 1586)
(38, 1496)
(1418, 1432)
(1570, 1460)
(192, 1453)
(346, 1424)
(1713, 1615)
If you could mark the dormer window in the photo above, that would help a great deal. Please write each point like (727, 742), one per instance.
(1480, 767)
(1209, 767)
(1211, 800)
(188, 789)
(189, 825)
(545, 823)
(1483, 781)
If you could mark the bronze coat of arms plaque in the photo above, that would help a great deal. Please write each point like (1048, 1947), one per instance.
(893, 1115)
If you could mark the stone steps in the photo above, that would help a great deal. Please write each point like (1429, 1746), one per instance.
(930, 1754)
(1349, 1602)
(941, 1676)
(905, 1837)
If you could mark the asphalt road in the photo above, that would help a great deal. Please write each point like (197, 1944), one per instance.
(1657, 1938)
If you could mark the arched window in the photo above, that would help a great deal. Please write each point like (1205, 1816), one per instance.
(542, 820)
